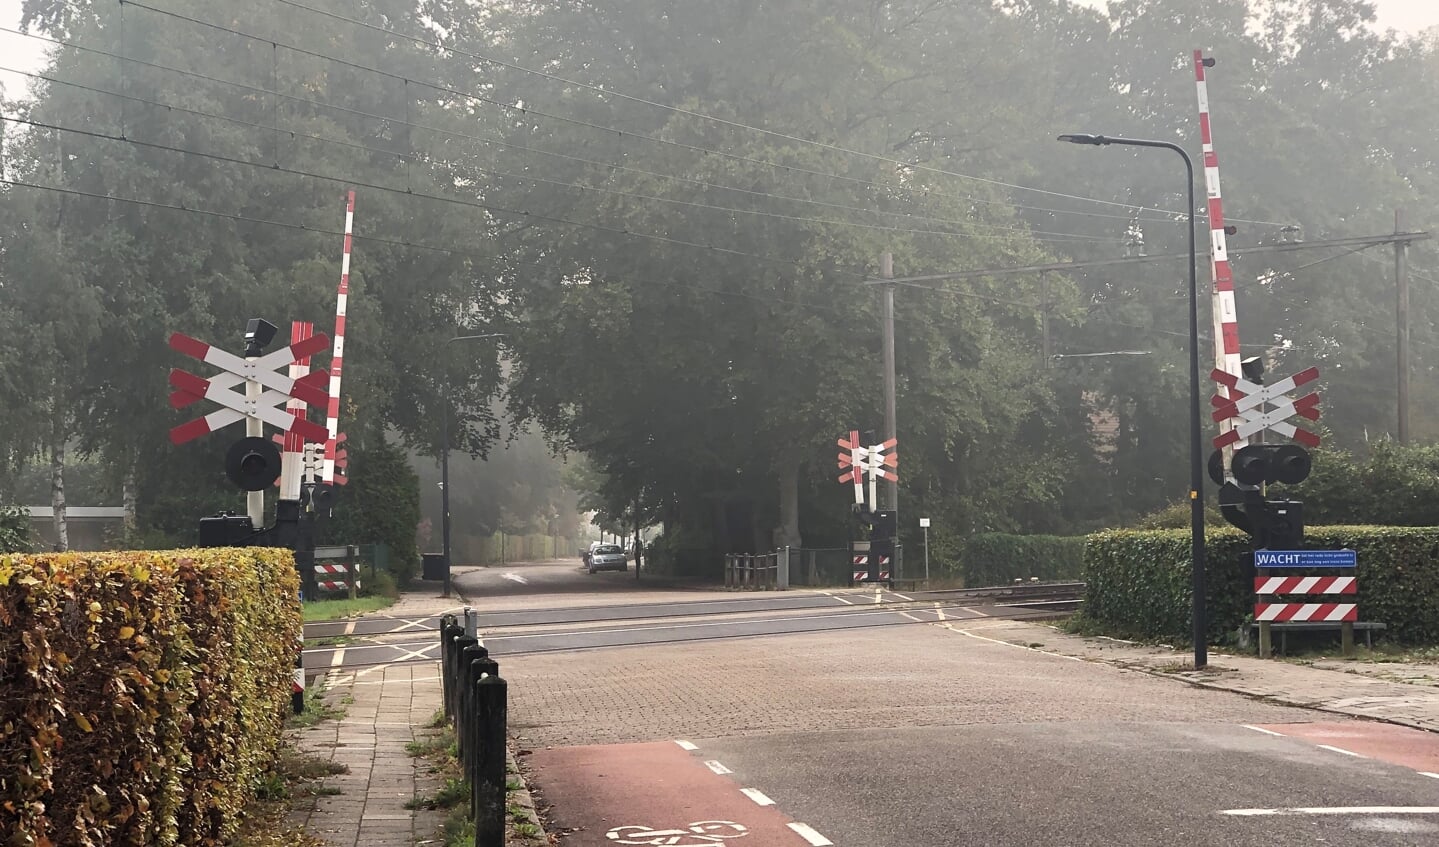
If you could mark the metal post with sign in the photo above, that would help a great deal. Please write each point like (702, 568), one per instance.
(924, 525)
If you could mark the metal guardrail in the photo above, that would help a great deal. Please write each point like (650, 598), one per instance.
(475, 699)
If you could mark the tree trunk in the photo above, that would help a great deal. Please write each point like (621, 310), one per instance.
(129, 496)
(787, 533)
(57, 487)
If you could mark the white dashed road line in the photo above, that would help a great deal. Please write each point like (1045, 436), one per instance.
(717, 767)
(1263, 730)
(1426, 773)
(349, 627)
(1337, 810)
(685, 745)
(756, 795)
(338, 658)
(1341, 750)
(974, 611)
(808, 834)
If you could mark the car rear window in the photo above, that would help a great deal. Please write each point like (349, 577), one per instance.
(607, 548)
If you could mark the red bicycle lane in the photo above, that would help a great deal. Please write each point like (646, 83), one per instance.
(657, 793)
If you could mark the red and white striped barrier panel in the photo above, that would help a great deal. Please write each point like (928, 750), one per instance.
(1280, 612)
(860, 576)
(862, 559)
(337, 569)
(335, 585)
(1305, 585)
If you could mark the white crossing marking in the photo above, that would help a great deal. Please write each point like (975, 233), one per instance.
(514, 577)
(974, 611)
(808, 834)
(902, 597)
(1337, 810)
(1263, 730)
(717, 767)
(685, 745)
(1426, 773)
(338, 658)
(845, 601)
(1009, 644)
(1342, 750)
(350, 627)
(756, 795)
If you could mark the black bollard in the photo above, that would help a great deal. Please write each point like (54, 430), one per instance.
(488, 800)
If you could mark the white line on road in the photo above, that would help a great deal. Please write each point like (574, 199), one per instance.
(939, 610)
(338, 658)
(902, 597)
(1426, 773)
(913, 618)
(756, 795)
(717, 767)
(1337, 810)
(685, 745)
(823, 614)
(1009, 644)
(1341, 750)
(974, 611)
(878, 596)
(1263, 730)
(808, 834)
(845, 601)
(514, 577)
(350, 627)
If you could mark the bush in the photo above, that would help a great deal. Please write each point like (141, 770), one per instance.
(145, 693)
(14, 530)
(1139, 584)
(996, 558)
(380, 505)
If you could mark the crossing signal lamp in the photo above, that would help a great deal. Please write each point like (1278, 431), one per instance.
(253, 463)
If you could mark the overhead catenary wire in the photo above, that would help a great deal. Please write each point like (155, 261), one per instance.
(1017, 233)
(488, 207)
(610, 92)
(412, 245)
(528, 110)
(1042, 235)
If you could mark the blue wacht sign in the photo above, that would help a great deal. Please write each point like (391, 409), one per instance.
(1305, 558)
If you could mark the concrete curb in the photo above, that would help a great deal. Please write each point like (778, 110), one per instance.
(521, 797)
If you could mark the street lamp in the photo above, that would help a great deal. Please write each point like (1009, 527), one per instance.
(1196, 460)
(445, 461)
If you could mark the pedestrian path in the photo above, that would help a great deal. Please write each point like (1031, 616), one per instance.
(1399, 694)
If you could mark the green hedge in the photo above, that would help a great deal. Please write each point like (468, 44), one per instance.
(996, 558)
(144, 692)
(1139, 584)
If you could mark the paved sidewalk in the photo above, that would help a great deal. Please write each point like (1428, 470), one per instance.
(386, 707)
(1405, 694)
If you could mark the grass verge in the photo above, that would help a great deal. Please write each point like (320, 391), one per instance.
(295, 775)
(316, 710)
(332, 610)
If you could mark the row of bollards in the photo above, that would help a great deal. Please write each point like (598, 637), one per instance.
(475, 704)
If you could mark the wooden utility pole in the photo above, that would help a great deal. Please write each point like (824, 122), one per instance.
(1401, 316)
(886, 271)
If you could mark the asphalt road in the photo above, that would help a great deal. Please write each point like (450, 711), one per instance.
(625, 614)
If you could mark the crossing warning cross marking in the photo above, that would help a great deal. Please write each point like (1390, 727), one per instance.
(1247, 405)
(237, 370)
(876, 462)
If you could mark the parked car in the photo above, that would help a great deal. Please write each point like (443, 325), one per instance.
(605, 557)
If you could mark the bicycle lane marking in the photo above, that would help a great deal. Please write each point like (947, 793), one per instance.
(653, 793)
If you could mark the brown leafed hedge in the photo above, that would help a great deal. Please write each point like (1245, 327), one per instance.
(142, 694)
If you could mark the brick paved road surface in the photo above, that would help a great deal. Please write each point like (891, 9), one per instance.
(918, 675)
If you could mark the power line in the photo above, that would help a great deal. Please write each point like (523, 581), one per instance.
(277, 168)
(608, 92)
(399, 243)
(526, 110)
(1059, 236)
(1017, 233)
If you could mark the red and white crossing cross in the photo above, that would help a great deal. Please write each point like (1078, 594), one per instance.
(883, 459)
(237, 370)
(1247, 405)
(854, 460)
